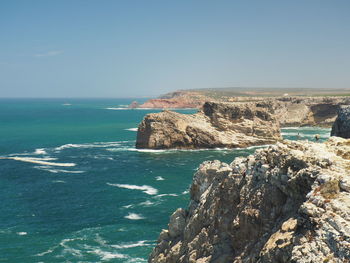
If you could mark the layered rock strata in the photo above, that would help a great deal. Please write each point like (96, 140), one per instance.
(318, 111)
(217, 125)
(290, 111)
(341, 126)
(286, 203)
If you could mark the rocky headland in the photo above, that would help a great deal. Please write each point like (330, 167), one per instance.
(341, 126)
(228, 125)
(289, 202)
(178, 99)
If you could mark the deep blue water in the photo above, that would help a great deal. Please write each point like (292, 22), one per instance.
(75, 189)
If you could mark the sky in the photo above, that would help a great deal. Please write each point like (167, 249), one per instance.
(144, 48)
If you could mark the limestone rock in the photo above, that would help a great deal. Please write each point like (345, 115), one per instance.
(217, 125)
(341, 126)
(289, 202)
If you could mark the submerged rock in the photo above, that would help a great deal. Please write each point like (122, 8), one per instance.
(217, 125)
(341, 126)
(286, 203)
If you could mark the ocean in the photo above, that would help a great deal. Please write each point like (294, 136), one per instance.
(75, 189)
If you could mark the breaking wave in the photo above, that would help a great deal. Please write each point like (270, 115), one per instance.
(134, 216)
(42, 161)
(144, 188)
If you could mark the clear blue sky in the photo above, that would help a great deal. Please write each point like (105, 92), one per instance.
(145, 48)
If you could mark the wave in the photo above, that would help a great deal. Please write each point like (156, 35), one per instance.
(142, 243)
(21, 233)
(131, 129)
(134, 216)
(59, 181)
(38, 161)
(40, 151)
(159, 178)
(144, 188)
(112, 108)
(51, 170)
(105, 255)
(146, 203)
(161, 195)
(89, 145)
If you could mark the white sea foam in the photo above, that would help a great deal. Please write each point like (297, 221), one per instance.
(142, 243)
(146, 203)
(41, 161)
(112, 108)
(134, 216)
(131, 129)
(40, 151)
(89, 145)
(302, 135)
(22, 233)
(144, 188)
(63, 171)
(185, 192)
(159, 178)
(66, 104)
(105, 255)
(127, 206)
(161, 195)
(59, 181)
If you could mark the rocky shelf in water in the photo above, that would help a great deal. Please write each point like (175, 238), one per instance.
(216, 125)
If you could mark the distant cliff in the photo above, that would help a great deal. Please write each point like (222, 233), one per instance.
(290, 111)
(216, 125)
(286, 203)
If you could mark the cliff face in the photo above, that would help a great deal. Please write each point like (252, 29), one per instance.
(290, 111)
(217, 125)
(341, 126)
(286, 203)
(319, 111)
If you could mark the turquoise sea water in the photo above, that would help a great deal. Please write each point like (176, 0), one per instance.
(75, 189)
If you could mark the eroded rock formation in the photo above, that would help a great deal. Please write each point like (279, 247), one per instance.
(318, 111)
(217, 125)
(290, 111)
(341, 126)
(286, 203)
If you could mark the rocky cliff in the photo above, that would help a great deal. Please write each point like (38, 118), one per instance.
(216, 125)
(317, 111)
(341, 126)
(286, 203)
(290, 111)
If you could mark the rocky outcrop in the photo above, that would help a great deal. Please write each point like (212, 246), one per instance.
(290, 111)
(341, 126)
(216, 125)
(318, 111)
(134, 105)
(179, 99)
(289, 202)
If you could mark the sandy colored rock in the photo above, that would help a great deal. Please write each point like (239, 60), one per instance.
(229, 125)
(289, 202)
